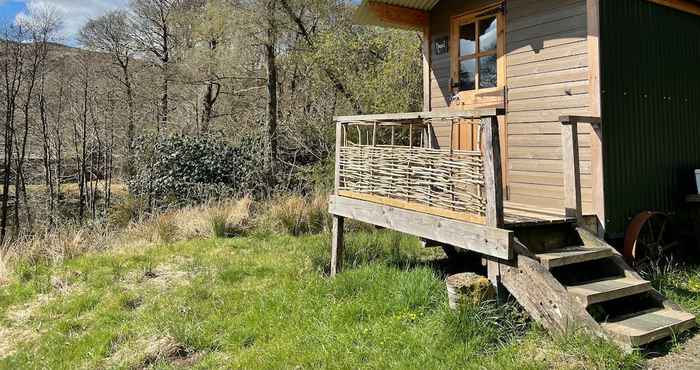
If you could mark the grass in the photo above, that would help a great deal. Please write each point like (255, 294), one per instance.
(264, 302)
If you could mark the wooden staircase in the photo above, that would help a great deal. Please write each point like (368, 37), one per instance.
(568, 279)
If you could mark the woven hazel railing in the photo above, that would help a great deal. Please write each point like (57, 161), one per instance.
(394, 160)
(442, 179)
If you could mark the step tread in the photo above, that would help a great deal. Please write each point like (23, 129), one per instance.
(650, 326)
(573, 255)
(608, 289)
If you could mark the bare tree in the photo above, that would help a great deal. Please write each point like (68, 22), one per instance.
(270, 46)
(112, 33)
(12, 64)
(23, 63)
(155, 32)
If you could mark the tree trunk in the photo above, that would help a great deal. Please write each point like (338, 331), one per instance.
(47, 157)
(272, 111)
(130, 126)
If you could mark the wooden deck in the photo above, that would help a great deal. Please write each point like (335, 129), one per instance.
(518, 214)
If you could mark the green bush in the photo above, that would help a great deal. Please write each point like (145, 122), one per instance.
(181, 170)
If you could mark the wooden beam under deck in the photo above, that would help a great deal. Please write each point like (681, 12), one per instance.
(489, 241)
(398, 203)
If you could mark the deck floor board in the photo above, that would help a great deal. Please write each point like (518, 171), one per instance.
(526, 214)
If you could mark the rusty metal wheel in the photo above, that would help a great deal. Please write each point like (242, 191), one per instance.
(648, 239)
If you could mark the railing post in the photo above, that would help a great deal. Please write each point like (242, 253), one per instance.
(337, 240)
(571, 168)
(338, 145)
(493, 177)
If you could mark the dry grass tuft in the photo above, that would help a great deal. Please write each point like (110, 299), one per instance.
(221, 219)
(148, 351)
(4, 273)
(55, 246)
(297, 215)
(10, 338)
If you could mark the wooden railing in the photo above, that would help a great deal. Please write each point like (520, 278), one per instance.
(393, 160)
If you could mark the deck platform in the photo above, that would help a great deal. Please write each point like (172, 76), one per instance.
(518, 214)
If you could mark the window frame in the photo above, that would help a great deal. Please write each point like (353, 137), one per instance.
(475, 17)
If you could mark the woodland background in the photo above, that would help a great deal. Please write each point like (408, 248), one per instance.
(170, 103)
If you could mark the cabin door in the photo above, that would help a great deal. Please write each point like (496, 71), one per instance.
(477, 68)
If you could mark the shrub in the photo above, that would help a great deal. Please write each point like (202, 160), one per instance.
(182, 170)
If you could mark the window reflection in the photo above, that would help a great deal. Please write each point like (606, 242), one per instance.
(488, 34)
(488, 72)
(467, 39)
(467, 75)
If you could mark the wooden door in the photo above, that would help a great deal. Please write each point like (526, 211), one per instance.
(478, 73)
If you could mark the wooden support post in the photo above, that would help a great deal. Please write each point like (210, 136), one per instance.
(598, 178)
(337, 245)
(426, 69)
(493, 189)
(493, 176)
(572, 173)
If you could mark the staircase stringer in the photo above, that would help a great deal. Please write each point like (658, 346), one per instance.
(546, 299)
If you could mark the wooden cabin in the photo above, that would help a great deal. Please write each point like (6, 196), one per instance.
(547, 126)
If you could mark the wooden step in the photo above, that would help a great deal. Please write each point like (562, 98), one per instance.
(608, 289)
(573, 255)
(649, 326)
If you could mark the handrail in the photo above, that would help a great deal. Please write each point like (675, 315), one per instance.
(463, 114)
(565, 120)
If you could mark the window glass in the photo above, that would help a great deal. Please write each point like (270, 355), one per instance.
(488, 71)
(467, 74)
(467, 39)
(488, 34)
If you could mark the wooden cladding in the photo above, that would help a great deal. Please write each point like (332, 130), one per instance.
(399, 15)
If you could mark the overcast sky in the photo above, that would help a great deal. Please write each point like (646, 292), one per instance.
(74, 12)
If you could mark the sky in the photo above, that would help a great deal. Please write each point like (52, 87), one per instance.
(75, 13)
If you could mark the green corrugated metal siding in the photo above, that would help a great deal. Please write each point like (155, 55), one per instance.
(650, 71)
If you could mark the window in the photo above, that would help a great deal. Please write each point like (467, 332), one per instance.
(479, 45)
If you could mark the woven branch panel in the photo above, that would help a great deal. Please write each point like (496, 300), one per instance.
(434, 178)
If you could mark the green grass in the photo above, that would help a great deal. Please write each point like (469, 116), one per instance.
(264, 302)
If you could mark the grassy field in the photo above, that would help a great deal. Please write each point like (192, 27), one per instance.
(264, 302)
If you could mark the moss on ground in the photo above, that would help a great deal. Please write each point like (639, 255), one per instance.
(264, 302)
